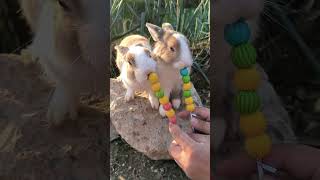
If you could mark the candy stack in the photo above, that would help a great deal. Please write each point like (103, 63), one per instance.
(188, 100)
(164, 100)
(247, 80)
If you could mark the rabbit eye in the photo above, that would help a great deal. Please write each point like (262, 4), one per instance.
(172, 49)
(64, 5)
(130, 63)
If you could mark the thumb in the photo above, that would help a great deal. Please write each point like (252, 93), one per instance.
(180, 137)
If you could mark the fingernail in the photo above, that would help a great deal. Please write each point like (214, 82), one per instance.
(193, 122)
(170, 126)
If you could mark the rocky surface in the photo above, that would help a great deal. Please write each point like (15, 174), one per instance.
(139, 125)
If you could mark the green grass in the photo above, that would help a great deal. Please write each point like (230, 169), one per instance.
(192, 19)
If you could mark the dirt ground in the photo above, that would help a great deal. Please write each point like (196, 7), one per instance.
(127, 163)
(32, 149)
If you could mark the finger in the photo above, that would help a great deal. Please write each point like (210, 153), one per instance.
(200, 138)
(180, 137)
(289, 158)
(200, 125)
(203, 113)
(184, 114)
(238, 166)
(299, 161)
(175, 151)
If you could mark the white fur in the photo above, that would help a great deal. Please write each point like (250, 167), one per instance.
(144, 66)
(185, 58)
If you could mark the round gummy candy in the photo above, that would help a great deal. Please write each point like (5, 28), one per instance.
(160, 93)
(189, 100)
(153, 78)
(186, 79)
(258, 147)
(167, 106)
(155, 87)
(247, 79)
(186, 93)
(164, 100)
(190, 107)
(173, 119)
(247, 102)
(237, 33)
(170, 113)
(184, 71)
(187, 86)
(244, 55)
(253, 124)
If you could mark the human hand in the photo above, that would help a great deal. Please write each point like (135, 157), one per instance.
(191, 151)
(202, 120)
(299, 161)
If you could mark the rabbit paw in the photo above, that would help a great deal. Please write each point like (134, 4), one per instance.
(176, 103)
(129, 95)
(154, 102)
(62, 106)
(162, 111)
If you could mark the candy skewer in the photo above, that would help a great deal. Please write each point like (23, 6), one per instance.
(164, 100)
(247, 80)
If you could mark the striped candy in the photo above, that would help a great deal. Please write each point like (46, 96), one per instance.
(247, 102)
(244, 55)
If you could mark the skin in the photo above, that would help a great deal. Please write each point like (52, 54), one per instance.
(295, 162)
(191, 151)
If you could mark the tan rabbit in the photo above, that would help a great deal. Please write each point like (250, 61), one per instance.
(226, 12)
(135, 64)
(172, 52)
(70, 39)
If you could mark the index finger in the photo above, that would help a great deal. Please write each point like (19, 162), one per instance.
(203, 113)
(181, 137)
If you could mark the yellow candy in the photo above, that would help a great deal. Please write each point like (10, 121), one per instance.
(253, 124)
(170, 113)
(164, 100)
(190, 107)
(155, 87)
(153, 78)
(189, 100)
(187, 86)
(258, 147)
(247, 79)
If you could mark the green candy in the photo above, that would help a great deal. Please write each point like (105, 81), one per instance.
(247, 102)
(186, 93)
(160, 93)
(186, 79)
(244, 55)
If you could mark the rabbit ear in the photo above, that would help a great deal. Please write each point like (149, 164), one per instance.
(123, 50)
(155, 31)
(167, 26)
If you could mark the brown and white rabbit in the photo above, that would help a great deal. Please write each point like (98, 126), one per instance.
(70, 39)
(171, 51)
(135, 64)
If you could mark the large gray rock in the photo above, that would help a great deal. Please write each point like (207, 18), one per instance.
(139, 125)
